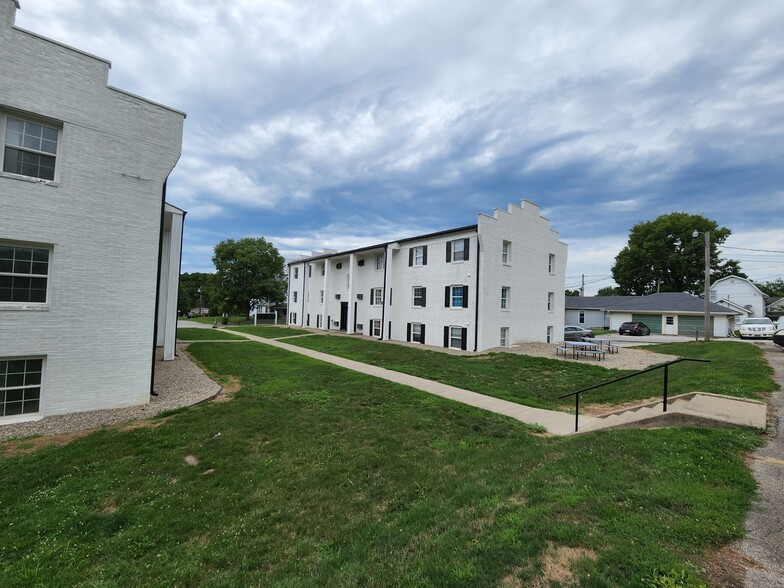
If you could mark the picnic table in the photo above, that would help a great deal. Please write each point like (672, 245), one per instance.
(579, 348)
(608, 343)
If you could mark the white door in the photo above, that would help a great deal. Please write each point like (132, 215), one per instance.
(670, 325)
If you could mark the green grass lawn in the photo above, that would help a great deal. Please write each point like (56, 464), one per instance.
(211, 320)
(271, 332)
(194, 334)
(736, 370)
(314, 475)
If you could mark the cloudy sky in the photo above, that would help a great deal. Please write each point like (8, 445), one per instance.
(341, 123)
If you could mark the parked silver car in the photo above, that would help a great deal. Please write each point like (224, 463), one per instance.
(574, 333)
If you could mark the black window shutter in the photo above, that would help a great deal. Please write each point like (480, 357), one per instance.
(446, 336)
(408, 332)
(465, 296)
(410, 257)
(463, 338)
(424, 297)
(466, 246)
(424, 255)
(446, 296)
(448, 251)
(371, 296)
(423, 334)
(390, 297)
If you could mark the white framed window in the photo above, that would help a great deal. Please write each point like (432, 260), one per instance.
(457, 296)
(376, 296)
(505, 298)
(713, 296)
(581, 319)
(379, 261)
(324, 269)
(24, 274)
(294, 295)
(20, 385)
(321, 296)
(506, 252)
(296, 273)
(455, 337)
(419, 296)
(551, 263)
(30, 148)
(504, 337)
(417, 332)
(348, 281)
(551, 301)
(375, 328)
(417, 256)
(550, 334)
(457, 250)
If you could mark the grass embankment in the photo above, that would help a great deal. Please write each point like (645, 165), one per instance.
(194, 334)
(271, 332)
(736, 370)
(314, 475)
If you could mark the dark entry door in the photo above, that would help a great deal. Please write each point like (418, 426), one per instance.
(343, 316)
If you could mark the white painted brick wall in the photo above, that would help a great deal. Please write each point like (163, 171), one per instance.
(102, 219)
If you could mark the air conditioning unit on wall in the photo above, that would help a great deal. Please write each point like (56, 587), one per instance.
(359, 296)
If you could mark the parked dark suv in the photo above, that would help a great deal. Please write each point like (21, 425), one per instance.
(634, 329)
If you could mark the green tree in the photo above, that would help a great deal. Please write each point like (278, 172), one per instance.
(662, 256)
(572, 292)
(247, 270)
(189, 295)
(608, 291)
(774, 289)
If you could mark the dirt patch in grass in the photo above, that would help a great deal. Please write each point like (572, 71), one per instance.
(727, 567)
(229, 390)
(33, 444)
(558, 562)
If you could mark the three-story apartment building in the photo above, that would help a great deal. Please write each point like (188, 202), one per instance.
(476, 287)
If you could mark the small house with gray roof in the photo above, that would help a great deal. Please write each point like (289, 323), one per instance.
(666, 313)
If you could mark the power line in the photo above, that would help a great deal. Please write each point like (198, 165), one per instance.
(747, 249)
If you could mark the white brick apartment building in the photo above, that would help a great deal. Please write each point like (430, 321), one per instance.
(89, 251)
(491, 284)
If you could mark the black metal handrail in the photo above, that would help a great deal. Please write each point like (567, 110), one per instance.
(665, 366)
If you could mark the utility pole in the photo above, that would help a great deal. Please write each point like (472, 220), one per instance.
(582, 286)
(706, 292)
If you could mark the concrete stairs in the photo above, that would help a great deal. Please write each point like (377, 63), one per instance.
(693, 409)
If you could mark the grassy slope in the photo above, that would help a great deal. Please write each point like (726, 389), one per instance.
(195, 334)
(737, 370)
(313, 475)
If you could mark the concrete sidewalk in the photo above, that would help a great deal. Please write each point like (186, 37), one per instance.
(557, 423)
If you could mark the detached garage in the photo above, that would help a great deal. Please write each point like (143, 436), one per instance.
(666, 313)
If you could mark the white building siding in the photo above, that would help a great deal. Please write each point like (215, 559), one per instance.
(101, 218)
(481, 276)
(741, 292)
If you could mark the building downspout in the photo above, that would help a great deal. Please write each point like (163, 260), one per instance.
(304, 291)
(476, 289)
(179, 272)
(384, 294)
(158, 290)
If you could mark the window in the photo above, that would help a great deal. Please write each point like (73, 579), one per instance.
(504, 337)
(361, 262)
(310, 270)
(504, 298)
(348, 281)
(376, 296)
(455, 337)
(420, 296)
(20, 386)
(415, 332)
(551, 263)
(670, 320)
(296, 273)
(506, 253)
(550, 301)
(550, 334)
(339, 265)
(456, 296)
(24, 274)
(294, 295)
(30, 149)
(457, 250)
(713, 296)
(417, 256)
(318, 320)
(581, 319)
(324, 269)
(379, 261)
(375, 328)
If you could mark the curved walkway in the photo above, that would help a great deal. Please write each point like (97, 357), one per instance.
(557, 423)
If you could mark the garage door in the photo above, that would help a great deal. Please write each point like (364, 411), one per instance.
(652, 320)
(687, 324)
